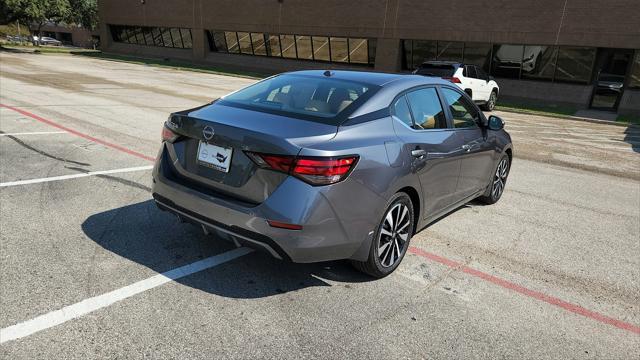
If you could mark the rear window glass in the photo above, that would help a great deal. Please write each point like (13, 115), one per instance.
(436, 70)
(313, 98)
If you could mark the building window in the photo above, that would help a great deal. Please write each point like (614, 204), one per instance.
(507, 60)
(634, 81)
(152, 36)
(232, 42)
(478, 54)
(303, 43)
(539, 62)
(536, 62)
(450, 51)
(321, 48)
(288, 45)
(339, 49)
(259, 44)
(357, 51)
(575, 64)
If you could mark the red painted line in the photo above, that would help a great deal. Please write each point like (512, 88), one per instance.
(576, 309)
(77, 133)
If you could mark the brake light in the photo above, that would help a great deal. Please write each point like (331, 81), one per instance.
(313, 170)
(453, 79)
(168, 134)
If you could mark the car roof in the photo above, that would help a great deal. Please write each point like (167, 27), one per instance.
(371, 77)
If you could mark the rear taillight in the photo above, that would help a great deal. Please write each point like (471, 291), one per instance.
(453, 79)
(168, 134)
(313, 170)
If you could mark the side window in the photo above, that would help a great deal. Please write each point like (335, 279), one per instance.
(426, 109)
(464, 114)
(401, 111)
(471, 71)
(481, 74)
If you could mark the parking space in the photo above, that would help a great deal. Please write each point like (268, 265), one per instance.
(90, 268)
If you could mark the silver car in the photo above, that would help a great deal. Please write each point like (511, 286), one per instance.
(323, 165)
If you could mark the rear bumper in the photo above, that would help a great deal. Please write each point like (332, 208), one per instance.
(320, 211)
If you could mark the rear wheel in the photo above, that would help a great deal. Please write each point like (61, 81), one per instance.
(491, 103)
(498, 182)
(391, 239)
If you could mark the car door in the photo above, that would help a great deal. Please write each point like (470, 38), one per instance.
(483, 78)
(479, 154)
(474, 83)
(430, 145)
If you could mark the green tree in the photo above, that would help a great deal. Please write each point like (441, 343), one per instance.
(83, 13)
(37, 12)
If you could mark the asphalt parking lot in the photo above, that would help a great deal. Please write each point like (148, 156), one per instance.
(90, 268)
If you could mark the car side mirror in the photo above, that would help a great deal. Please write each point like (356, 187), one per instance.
(495, 123)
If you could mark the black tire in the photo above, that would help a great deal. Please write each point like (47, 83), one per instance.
(495, 189)
(379, 265)
(491, 103)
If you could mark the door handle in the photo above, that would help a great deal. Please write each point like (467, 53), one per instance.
(418, 153)
(466, 147)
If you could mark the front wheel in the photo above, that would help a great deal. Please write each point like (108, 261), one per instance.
(491, 103)
(498, 182)
(391, 239)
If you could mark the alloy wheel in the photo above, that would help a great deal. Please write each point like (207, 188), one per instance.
(500, 178)
(394, 234)
(492, 101)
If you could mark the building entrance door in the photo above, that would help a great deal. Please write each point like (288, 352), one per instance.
(611, 67)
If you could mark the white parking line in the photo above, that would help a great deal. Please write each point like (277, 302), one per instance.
(86, 306)
(73, 176)
(34, 133)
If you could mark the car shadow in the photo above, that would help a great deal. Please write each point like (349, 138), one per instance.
(632, 137)
(157, 240)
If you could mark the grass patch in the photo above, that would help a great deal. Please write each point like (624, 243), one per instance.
(176, 64)
(47, 49)
(628, 119)
(556, 111)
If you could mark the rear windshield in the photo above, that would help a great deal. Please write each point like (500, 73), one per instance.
(436, 70)
(314, 98)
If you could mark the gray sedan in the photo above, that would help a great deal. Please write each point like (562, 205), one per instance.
(324, 165)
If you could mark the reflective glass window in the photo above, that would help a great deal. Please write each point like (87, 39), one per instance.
(507, 60)
(232, 42)
(575, 64)
(274, 45)
(358, 51)
(539, 62)
(259, 46)
(219, 41)
(478, 54)
(148, 36)
(426, 109)
(450, 51)
(339, 49)
(187, 41)
(464, 114)
(245, 43)
(422, 51)
(303, 43)
(157, 36)
(288, 44)
(177, 38)
(400, 110)
(321, 48)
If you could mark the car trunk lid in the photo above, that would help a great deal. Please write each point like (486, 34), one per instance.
(210, 134)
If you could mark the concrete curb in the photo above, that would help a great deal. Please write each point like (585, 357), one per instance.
(576, 118)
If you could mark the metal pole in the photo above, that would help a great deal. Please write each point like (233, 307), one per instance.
(19, 33)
